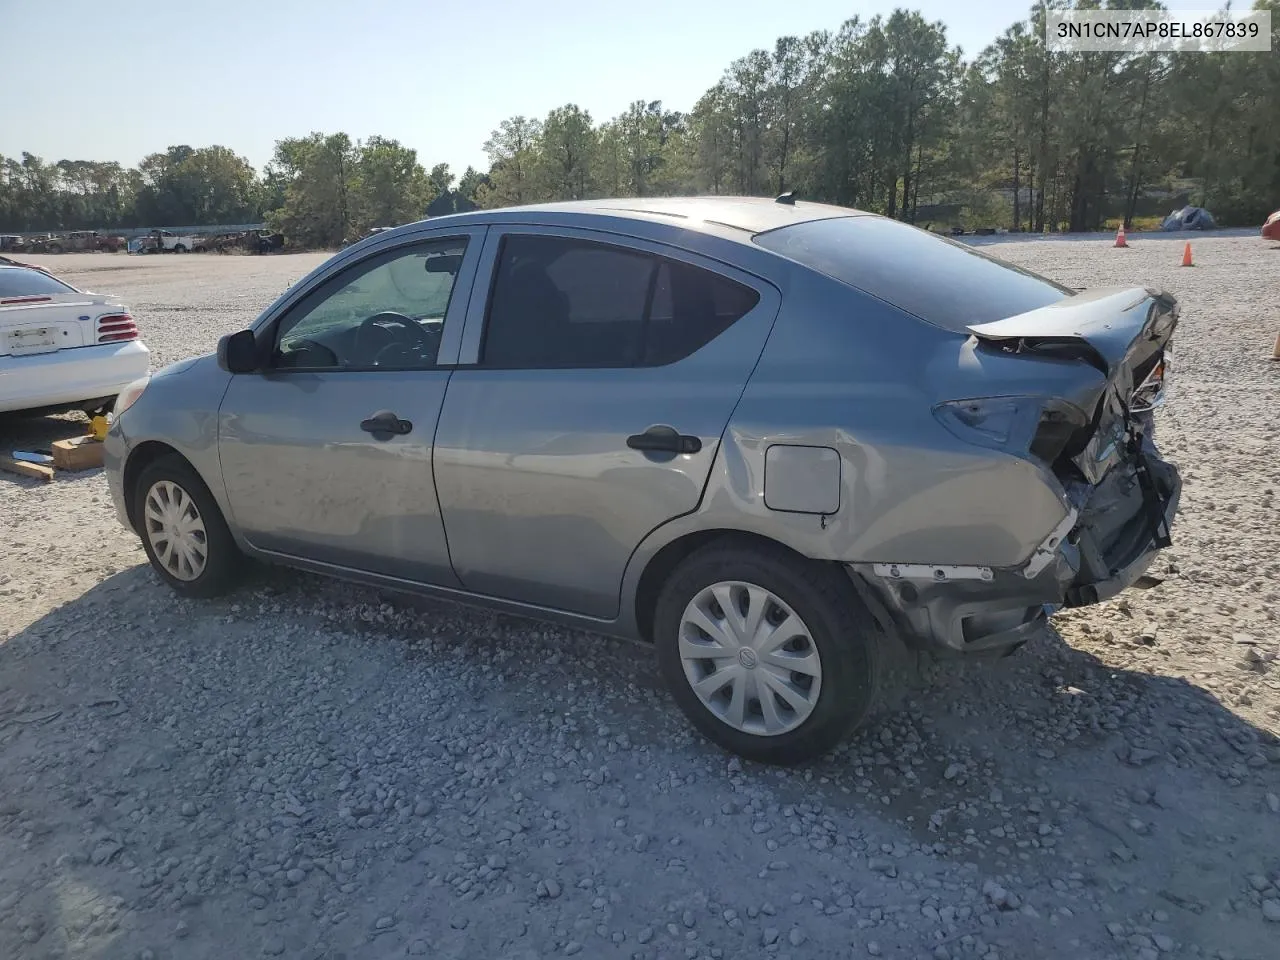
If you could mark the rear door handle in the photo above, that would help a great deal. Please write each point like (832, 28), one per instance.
(384, 425)
(663, 439)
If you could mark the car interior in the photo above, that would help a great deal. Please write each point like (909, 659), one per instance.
(391, 316)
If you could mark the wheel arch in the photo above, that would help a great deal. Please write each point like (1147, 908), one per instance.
(141, 457)
(658, 568)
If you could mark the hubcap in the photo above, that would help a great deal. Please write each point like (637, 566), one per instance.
(750, 658)
(175, 530)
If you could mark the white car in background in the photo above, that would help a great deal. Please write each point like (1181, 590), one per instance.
(63, 348)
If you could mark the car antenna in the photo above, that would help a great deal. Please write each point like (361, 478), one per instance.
(789, 198)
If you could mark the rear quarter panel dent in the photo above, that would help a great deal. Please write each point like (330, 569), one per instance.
(910, 491)
(899, 503)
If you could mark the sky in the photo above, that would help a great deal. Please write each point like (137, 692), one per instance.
(117, 81)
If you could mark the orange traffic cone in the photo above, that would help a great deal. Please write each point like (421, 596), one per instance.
(1120, 241)
(1186, 255)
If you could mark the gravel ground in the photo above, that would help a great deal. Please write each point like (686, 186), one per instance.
(315, 770)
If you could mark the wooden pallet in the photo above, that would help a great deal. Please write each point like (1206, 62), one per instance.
(36, 471)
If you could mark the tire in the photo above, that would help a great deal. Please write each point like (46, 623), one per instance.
(223, 561)
(179, 248)
(838, 630)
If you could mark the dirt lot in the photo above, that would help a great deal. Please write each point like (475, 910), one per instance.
(315, 770)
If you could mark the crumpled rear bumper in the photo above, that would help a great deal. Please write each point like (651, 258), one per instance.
(967, 615)
(1112, 560)
(1115, 538)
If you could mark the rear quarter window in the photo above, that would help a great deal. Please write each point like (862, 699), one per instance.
(946, 283)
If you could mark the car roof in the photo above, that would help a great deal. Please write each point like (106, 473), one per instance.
(724, 216)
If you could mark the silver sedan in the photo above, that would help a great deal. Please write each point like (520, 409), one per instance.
(767, 437)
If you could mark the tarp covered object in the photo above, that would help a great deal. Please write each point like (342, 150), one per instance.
(1271, 229)
(1189, 218)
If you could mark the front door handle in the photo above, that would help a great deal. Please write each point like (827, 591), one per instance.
(662, 439)
(384, 425)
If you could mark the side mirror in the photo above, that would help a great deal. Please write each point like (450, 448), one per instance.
(238, 352)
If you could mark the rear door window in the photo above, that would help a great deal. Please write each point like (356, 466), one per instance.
(563, 302)
(946, 283)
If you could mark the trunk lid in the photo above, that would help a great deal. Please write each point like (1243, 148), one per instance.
(1122, 331)
(46, 323)
(1117, 329)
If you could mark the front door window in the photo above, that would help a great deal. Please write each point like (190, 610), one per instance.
(387, 313)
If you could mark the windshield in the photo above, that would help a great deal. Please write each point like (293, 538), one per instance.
(946, 283)
(21, 282)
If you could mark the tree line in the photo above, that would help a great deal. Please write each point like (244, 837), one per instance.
(882, 114)
(318, 190)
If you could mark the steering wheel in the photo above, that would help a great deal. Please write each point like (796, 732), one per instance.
(408, 334)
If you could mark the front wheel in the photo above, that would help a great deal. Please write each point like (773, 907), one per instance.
(183, 531)
(773, 657)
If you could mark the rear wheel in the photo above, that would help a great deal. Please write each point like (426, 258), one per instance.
(183, 531)
(770, 656)
(179, 248)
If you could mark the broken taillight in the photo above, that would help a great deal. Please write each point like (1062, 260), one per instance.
(114, 327)
(1021, 426)
(1153, 389)
(1060, 428)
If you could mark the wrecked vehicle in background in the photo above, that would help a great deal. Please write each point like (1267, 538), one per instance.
(78, 241)
(166, 241)
(248, 241)
(764, 436)
(143, 244)
(1189, 218)
(267, 241)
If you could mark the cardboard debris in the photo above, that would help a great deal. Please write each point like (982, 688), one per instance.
(78, 453)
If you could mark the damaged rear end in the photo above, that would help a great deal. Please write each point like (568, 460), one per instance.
(1122, 494)
(1031, 480)
(1095, 447)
